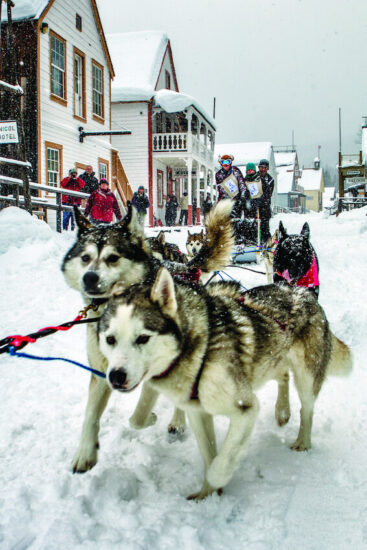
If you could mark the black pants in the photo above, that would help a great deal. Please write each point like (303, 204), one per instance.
(183, 214)
(265, 230)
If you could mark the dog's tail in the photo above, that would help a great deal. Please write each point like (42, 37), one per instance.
(219, 239)
(341, 360)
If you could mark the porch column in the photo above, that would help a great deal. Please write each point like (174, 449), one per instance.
(189, 188)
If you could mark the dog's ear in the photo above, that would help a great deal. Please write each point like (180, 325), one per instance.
(161, 238)
(188, 233)
(163, 292)
(130, 221)
(81, 221)
(282, 232)
(305, 231)
(202, 232)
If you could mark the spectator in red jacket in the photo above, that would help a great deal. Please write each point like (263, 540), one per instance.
(102, 204)
(73, 183)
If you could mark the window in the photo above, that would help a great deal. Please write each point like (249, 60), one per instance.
(160, 188)
(168, 80)
(97, 91)
(79, 85)
(78, 22)
(53, 164)
(103, 168)
(58, 68)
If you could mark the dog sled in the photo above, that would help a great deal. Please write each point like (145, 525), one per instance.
(247, 241)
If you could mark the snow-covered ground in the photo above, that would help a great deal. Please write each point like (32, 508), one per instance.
(135, 497)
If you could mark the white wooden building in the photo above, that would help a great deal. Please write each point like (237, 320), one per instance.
(67, 73)
(171, 146)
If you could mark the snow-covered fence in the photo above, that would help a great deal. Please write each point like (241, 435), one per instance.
(351, 202)
(39, 202)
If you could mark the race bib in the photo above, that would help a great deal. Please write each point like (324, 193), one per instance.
(230, 186)
(255, 189)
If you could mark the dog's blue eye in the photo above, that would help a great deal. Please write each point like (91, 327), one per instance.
(111, 340)
(85, 258)
(142, 339)
(112, 259)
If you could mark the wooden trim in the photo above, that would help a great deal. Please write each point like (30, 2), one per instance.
(83, 118)
(150, 162)
(39, 143)
(160, 204)
(81, 166)
(104, 161)
(102, 37)
(97, 118)
(173, 65)
(52, 145)
(54, 97)
(167, 78)
(81, 22)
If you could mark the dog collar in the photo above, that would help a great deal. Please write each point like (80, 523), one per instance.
(195, 387)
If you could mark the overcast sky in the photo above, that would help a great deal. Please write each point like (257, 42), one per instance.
(273, 65)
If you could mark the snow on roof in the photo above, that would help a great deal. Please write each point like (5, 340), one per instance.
(285, 159)
(245, 152)
(25, 9)
(137, 58)
(285, 179)
(174, 102)
(311, 179)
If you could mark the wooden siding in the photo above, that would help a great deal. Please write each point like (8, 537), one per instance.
(132, 149)
(167, 65)
(57, 122)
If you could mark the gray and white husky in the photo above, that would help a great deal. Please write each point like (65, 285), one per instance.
(106, 254)
(209, 350)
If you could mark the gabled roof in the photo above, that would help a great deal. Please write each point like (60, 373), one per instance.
(311, 179)
(285, 159)
(138, 58)
(285, 179)
(245, 152)
(37, 9)
(174, 102)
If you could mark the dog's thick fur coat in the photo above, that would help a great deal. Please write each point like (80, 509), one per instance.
(210, 349)
(106, 254)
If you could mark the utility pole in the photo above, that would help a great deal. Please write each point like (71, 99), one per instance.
(214, 102)
(340, 158)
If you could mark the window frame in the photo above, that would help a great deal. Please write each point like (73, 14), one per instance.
(76, 22)
(100, 161)
(95, 116)
(167, 80)
(62, 100)
(59, 148)
(83, 118)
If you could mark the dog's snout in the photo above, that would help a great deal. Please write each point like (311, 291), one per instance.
(117, 378)
(90, 279)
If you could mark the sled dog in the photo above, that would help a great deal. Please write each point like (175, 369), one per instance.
(105, 254)
(163, 250)
(295, 260)
(194, 243)
(268, 255)
(210, 349)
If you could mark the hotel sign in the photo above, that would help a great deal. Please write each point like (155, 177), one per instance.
(8, 132)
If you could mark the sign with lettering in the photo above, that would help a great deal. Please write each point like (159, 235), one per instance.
(8, 132)
(352, 181)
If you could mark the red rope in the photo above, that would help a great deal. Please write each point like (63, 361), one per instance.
(18, 339)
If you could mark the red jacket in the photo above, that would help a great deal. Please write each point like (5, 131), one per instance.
(101, 205)
(76, 184)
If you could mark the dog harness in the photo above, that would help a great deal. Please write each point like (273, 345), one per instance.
(309, 280)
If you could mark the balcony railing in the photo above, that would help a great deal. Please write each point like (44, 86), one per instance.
(169, 143)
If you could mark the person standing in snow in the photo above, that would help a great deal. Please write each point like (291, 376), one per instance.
(184, 205)
(102, 204)
(72, 183)
(141, 202)
(207, 205)
(230, 183)
(260, 187)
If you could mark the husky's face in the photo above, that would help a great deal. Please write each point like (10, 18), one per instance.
(139, 334)
(293, 254)
(103, 255)
(194, 243)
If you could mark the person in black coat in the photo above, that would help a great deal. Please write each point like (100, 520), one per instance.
(263, 182)
(90, 180)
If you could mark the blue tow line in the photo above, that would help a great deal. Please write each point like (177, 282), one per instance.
(12, 351)
(228, 275)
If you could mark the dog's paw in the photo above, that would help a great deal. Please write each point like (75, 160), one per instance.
(85, 460)
(205, 492)
(138, 424)
(300, 446)
(282, 416)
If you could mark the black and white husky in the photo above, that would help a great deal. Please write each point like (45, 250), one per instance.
(106, 254)
(209, 350)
